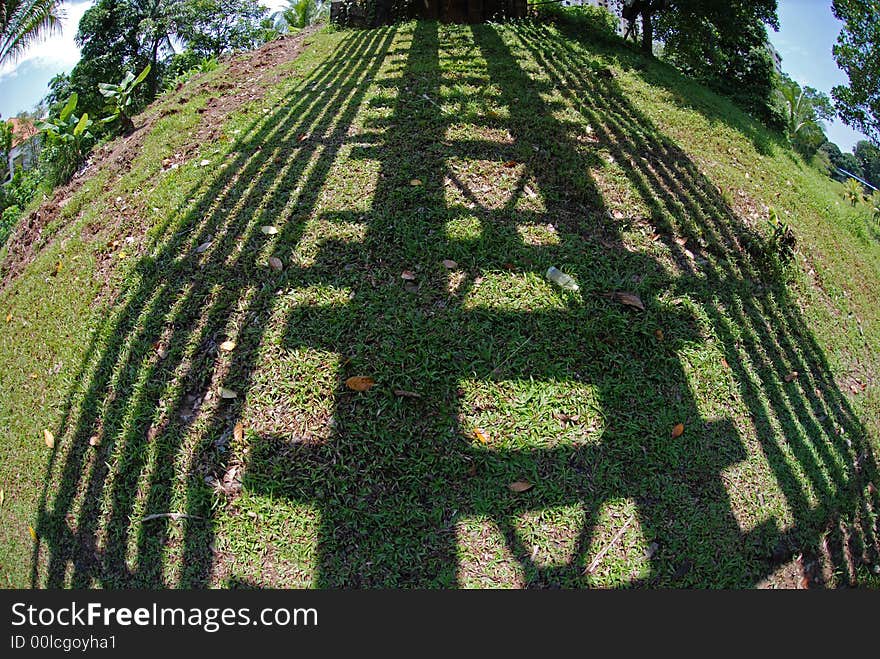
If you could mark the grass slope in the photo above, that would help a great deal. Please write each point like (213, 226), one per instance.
(472, 158)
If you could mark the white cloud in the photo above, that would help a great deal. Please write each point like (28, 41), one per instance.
(58, 51)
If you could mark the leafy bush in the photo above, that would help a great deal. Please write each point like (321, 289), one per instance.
(68, 141)
(120, 99)
(852, 191)
(8, 220)
(596, 20)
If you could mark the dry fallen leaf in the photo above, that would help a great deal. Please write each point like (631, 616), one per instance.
(531, 193)
(227, 346)
(205, 163)
(161, 353)
(48, 438)
(302, 138)
(360, 382)
(276, 264)
(681, 241)
(677, 430)
(2, 497)
(94, 440)
(269, 230)
(521, 486)
(415, 181)
(659, 334)
(228, 393)
(201, 249)
(791, 376)
(511, 163)
(566, 418)
(9, 318)
(238, 432)
(629, 299)
(481, 435)
(449, 264)
(724, 363)
(32, 532)
(402, 393)
(408, 275)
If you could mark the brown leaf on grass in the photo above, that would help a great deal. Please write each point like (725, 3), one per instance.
(415, 182)
(566, 418)
(360, 383)
(481, 435)
(32, 532)
(302, 138)
(9, 318)
(520, 486)
(449, 264)
(408, 275)
(677, 430)
(94, 440)
(659, 334)
(681, 241)
(791, 376)
(48, 438)
(529, 192)
(238, 432)
(276, 264)
(724, 363)
(511, 163)
(628, 299)
(403, 393)
(227, 346)
(228, 393)
(269, 230)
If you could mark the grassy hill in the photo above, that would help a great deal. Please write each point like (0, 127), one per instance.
(184, 318)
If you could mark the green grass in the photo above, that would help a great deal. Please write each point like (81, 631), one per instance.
(505, 150)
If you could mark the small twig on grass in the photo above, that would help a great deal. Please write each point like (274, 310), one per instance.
(174, 516)
(592, 566)
(495, 370)
(436, 104)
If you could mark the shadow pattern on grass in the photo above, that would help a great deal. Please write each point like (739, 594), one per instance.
(395, 478)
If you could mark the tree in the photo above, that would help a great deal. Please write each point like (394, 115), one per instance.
(300, 13)
(722, 43)
(857, 53)
(212, 27)
(22, 22)
(117, 36)
(852, 191)
(805, 109)
(868, 157)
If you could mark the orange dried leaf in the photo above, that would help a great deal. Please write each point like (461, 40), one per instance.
(32, 532)
(360, 383)
(238, 432)
(48, 438)
(408, 275)
(511, 163)
(481, 435)
(724, 363)
(9, 318)
(415, 182)
(276, 264)
(227, 346)
(521, 486)
(677, 430)
(94, 440)
(659, 334)
(791, 376)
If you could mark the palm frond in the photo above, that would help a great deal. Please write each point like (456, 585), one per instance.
(24, 22)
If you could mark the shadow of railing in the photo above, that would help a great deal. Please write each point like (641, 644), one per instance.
(392, 476)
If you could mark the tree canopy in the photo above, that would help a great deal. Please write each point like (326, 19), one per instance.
(857, 53)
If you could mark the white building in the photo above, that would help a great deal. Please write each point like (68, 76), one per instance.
(25, 148)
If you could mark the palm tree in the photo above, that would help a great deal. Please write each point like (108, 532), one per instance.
(300, 14)
(22, 22)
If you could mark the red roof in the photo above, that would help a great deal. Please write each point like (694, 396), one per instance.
(22, 130)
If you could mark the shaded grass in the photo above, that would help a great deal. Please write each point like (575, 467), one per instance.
(502, 149)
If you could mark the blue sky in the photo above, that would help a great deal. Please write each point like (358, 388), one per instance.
(807, 32)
